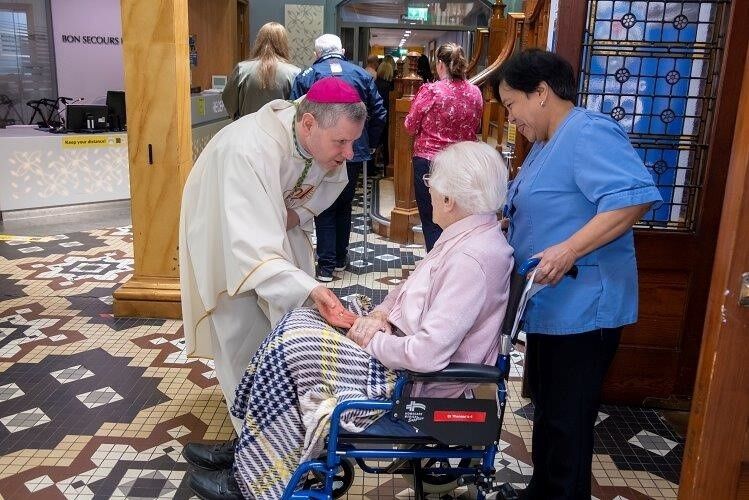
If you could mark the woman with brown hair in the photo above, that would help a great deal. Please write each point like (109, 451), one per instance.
(442, 113)
(266, 76)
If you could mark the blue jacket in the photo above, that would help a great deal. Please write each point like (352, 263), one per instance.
(336, 65)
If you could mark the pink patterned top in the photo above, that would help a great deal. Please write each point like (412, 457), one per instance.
(443, 113)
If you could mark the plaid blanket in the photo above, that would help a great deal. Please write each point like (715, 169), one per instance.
(298, 375)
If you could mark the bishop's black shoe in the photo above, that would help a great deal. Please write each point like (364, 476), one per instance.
(210, 456)
(214, 484)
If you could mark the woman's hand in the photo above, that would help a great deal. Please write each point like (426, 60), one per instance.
(331, 308)
(555, 262)
(365, 327)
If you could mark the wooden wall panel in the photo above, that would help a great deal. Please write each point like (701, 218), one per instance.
(636, 372)
(214, 23)
(661, 318)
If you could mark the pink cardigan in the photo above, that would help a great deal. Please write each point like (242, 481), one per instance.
(451, 307)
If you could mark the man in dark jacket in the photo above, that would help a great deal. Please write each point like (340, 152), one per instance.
(333, 226)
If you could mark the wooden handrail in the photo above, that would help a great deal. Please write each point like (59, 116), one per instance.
(515, 30)
(478, 47)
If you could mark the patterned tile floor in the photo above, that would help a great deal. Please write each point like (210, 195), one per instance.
(92, 406)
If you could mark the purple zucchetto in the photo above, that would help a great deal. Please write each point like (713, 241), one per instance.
(332, 90)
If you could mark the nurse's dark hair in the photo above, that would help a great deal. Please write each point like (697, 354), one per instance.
(525, 70)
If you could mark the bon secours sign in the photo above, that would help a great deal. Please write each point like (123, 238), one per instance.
(92, 39)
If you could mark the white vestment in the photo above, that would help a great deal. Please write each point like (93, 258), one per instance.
(240, 270)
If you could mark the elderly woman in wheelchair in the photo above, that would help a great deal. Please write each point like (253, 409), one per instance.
(402, 375)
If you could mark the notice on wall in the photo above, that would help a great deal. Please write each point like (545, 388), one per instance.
(93, 141)
(192, 44)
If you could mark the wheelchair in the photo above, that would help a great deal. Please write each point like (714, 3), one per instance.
(451, 443)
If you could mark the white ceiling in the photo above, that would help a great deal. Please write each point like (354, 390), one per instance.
(388, 37)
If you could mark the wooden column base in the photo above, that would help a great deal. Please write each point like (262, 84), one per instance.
(148, 298)
(380, 229)
(401, 222)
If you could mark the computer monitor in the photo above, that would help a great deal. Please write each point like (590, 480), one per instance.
(218, 82)
(86, 118)
(117, 114)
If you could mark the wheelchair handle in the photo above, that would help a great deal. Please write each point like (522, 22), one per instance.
(531, 263)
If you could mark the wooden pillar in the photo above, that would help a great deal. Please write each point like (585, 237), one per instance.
(395, 94)
(497, 39)
(404, 214)
(497, 30)
(157, 81)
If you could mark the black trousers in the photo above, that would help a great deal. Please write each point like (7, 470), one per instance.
(333, 225)
(565, 375)
(431, 230)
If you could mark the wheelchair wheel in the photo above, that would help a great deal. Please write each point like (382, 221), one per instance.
(342, 480)
(443, 482)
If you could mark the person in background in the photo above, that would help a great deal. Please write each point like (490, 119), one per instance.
(574, 201)
(266, 76)
(391, 61)
(333, 225)
(442, 113)
(384, 84)
(424, 69)
(372, 63)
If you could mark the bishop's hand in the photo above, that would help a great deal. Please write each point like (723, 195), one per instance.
(331, 308)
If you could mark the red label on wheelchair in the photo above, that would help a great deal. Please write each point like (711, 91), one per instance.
(460, 416)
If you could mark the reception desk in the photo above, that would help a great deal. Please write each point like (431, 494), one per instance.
(208, 117)
(41, 170)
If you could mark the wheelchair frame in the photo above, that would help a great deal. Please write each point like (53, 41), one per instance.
(482, 475)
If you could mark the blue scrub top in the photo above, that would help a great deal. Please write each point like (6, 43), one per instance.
(587, 167)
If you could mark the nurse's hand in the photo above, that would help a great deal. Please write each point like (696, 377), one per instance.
(331, 308)
(555, 262)
(365, 327)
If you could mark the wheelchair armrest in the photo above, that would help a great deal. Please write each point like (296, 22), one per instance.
(460, 372)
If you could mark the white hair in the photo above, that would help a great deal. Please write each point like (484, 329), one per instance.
(473, 174)
(328, 44)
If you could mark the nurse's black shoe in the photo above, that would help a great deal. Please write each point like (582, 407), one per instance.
(214, 484)
(215, 456)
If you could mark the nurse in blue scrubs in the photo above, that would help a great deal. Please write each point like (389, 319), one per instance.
(574, 201)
